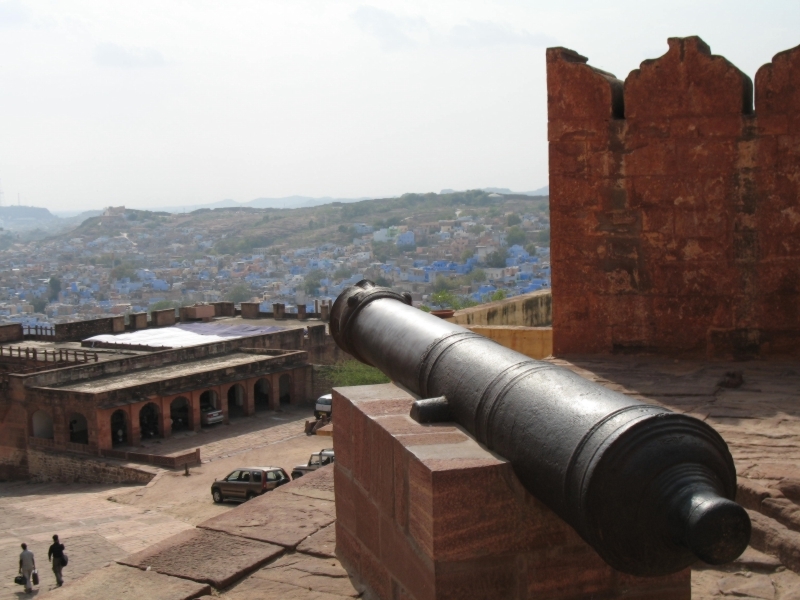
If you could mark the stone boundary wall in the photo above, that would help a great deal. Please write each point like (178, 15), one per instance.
(675, 205)
(80, 330)
(46, 466)
(533, 342)
(527, 310)
(11, 333)
(171, 462)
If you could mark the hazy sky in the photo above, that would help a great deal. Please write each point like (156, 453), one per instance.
(155, 103)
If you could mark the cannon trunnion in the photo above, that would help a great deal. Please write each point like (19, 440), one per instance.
(649, 489)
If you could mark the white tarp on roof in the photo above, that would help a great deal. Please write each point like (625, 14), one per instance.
(185, 334)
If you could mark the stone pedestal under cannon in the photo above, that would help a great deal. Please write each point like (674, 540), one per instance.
(424, 512)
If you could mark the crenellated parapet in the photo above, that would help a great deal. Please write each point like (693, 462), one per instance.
(675, 205)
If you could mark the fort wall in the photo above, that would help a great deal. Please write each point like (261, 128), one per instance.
(526, 310)
(79, 330)
(48, 466)
(11, 333)
(675, 205)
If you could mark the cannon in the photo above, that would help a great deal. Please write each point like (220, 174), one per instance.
(649, 489)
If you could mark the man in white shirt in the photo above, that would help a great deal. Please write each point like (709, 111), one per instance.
(27, 565)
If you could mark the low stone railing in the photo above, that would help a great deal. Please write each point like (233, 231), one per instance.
(171, 462)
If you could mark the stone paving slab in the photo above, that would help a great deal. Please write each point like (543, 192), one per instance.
(94, 530)
(283, 519)
(297, 577)
(324, 575)
(124, 583)
(265, 589)
(285, 516)
(322, 543)
(205, 556)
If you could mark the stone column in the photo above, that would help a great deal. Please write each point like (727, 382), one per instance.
(135, 431)
(164, 418)
(249, 397)
(301, 312)
(275, 391)
(194, 410)
(223, 403)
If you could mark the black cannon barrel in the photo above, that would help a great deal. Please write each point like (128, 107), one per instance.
(651, 490)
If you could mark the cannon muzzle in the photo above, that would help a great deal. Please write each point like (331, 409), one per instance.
(649, 489)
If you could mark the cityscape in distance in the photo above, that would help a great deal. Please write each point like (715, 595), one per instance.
(449, 250)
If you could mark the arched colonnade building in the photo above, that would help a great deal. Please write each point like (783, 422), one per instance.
(119, 403)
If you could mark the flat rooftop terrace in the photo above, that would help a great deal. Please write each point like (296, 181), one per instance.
(163, 373)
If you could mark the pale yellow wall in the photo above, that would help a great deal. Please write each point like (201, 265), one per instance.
(535, 342)
(528, 310)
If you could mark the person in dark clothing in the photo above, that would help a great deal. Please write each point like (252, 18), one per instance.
(56, 555)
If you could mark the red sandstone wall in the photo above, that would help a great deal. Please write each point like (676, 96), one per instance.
(675, 207)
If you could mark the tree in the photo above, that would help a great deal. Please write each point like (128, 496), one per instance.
(515, 236)
(239, 293)
(442, 284)
(477, 275)
(467, 254)
(343, 273)
(313, 281)
(54, 288)
(498, 295)
(543, 237)
(164, 304)
(383, 282)
(123, 270)
(513, 220)
(383, 251)
(39, 304)
(497, 259)
(530, 249)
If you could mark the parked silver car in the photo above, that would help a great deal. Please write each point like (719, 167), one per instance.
(324, 406)
(315, 461)
(210, 415)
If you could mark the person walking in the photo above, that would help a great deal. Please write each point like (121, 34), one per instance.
(27, 565)
(56, 555)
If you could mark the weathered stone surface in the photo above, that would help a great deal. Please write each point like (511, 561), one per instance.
(773, 538)
(126, 583)
(324, 575)
(265, 589)
(752, 586)
(316, 484)
(205, 556)
(675, 211)
(285, 517)
(322, 543)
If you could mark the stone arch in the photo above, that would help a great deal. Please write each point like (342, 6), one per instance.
(180, 413)
(78, 429)
(42, 425)
(148, 420)
(209, 397)
(261, 394)
(236, 399)
(285, 389)
(119, 428)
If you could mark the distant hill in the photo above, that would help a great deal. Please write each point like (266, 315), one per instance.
(25, 213)
(543, 191)
(285, 202)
